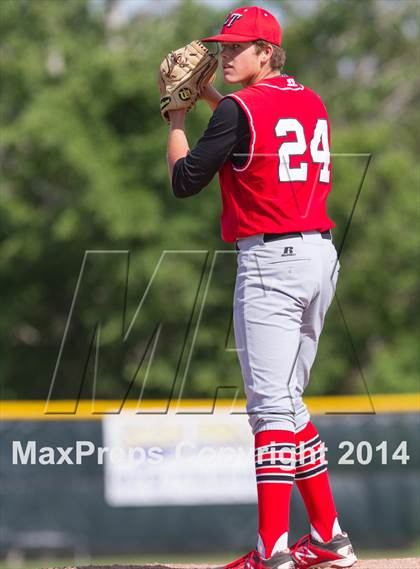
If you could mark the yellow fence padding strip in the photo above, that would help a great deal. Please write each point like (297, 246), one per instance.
(88, 410)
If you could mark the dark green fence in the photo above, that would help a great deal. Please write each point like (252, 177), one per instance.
(62, 507)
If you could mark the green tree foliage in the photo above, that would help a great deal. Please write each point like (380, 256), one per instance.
(83, 168)
(362, 58)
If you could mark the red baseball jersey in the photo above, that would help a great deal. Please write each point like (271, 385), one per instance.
(285, 182)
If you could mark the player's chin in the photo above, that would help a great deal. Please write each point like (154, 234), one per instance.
(230, 77)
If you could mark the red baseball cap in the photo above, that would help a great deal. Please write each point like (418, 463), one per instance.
(248, 24)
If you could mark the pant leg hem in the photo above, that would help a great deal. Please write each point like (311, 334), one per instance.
(274, 427)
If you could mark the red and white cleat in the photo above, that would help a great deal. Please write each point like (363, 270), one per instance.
(253, 560)
(311, 554)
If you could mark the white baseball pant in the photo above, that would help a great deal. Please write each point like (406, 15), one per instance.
(282, 293)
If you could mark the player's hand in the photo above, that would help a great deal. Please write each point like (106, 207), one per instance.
(209, 93)
(211, 96)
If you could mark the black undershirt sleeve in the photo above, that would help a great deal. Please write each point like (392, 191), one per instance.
(227, 134)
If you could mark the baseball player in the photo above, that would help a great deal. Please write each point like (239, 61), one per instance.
(269, 142)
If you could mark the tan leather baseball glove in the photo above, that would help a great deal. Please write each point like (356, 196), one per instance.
(183, 75)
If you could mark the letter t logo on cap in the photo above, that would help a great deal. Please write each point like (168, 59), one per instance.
(231, 19)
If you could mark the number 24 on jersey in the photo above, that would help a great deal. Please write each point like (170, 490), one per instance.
(318, 146)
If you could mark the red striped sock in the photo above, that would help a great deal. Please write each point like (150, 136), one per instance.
(274, 465)
(313, 483)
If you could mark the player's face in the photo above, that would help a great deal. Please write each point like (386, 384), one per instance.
(240, 62)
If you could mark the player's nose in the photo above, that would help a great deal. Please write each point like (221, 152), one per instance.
(226, 58)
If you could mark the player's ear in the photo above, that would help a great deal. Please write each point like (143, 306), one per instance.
(266, 53)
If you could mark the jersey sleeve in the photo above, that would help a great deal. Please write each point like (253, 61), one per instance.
(227, 130)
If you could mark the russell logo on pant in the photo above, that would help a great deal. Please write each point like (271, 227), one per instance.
(288, 252)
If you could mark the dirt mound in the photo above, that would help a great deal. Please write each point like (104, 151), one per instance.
(407, 563)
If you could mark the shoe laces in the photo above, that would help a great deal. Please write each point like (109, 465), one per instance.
(302, 544)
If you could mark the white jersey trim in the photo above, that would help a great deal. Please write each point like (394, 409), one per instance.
(253, 134)
(298, 87)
